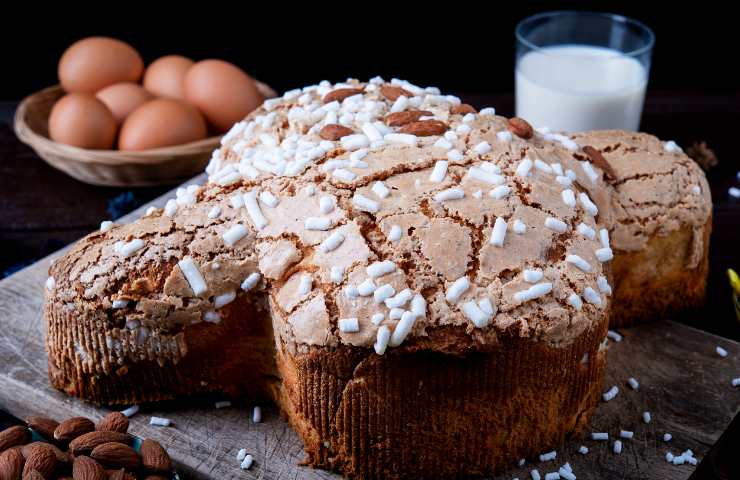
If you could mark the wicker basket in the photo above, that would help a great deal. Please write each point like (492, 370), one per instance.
(159, 166)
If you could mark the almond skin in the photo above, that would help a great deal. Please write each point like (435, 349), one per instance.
(11, 464)
(463, 109)
(334, 132)
(520, 127)
(154, 457)
(424, 128)
(113, 422)
(392, 93)
(43, 426)
(84, 444)
(85, 468)
(398, 119)
(72, 428)
(120, 474)
(116, 455)
(600, 162)
(32, 475)
(43, 460)
(28, 450)
(10, 437)
(340, 94)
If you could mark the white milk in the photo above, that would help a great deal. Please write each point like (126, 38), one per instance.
(577, 87)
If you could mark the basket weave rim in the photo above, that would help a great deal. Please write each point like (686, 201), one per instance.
(44, 144)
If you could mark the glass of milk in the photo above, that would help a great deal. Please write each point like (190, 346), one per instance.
(579, 71)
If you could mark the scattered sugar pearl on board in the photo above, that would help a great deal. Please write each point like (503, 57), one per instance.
(617, 447)
(247, 462)
(583, 450)
(256, 414)
(721, 351)
(667, 437)
(535, 475)
(626, 434)
(610, 394)
(647, 417)
(614, 335)
(566, 474)
(160, 422)
(130, 411)
(549, 456)
(241, 454)
(222, 404)
(601, 436)
(633, 383)
(736, 382)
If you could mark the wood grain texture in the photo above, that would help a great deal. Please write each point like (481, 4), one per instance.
(683, 383)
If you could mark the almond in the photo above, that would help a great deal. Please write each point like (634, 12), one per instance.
(392, 93)
(28, 450)
(113, 422)
(334, 132)
(599, 161)
(340, 94)
(72, 428)
(43, 426)
(10, 437)
(84, 444)
(85, 468)
(463, 109)
(155, 477)
(154, 457)
(120, 474)
(424, 128)
(520, 127)
(43, 460)
(116, 455)
(32, 475)
(11, 464)
(397, 119)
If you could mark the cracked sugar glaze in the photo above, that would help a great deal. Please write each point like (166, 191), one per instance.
(579, 88)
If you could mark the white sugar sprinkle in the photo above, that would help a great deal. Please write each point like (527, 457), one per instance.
(317, 223)
(475, 314)
(449, 194)
(377, 319)
(254, 211)
(588, 169)
(354, 142)
(383, 292)
(633, 383)
(224, 299)
(667, 437)
(578, 262)
(587, 204)
(160, 422)
(332, 242)
(234, 234)
(646, 417)
(129, 248)
(591, 296)
(488, 111)
(236, 201)
(604, 254)
(336, 274)
(251, 281)
(378, 269)
(381, 190)
(269, 199)
(575, 301)
(396, 313)
(482, 148)
(603, 284)
(403, 328)
(498, 234)
(365, 204)
(106, 225)
(193, 276)
(351, 292)
(626, 434)
(519, 227)
(721, 351)
(564, 181)
(583, 450)
(327, 204)
(617, 446)
(671, 147)
(439, 172)
(443, 143)
(734, 192)
(130, 411)
(535, 291)
(552, 476)
(535, 475)
(586, 231)
(542, 166)
(454, 156)
(212, 316)
(381, 340)
(256, 414)
(400, 299)
(222, 404)
(349, 325)
(549, 456)
(304, 287)
(599, 436)
(419, 305)
(735, 382)
(524, 167)
(458, 287)
(118, 304)
(504, 136)
(604, 237)
(486, 177)
(366, 288)
(463, 129)
(696, 189)
(50, 283)
(344, 175)
(395, 233)
(556, 225)
(500, 192)
(533, 275)
(487, 306)
(170, 208)
(401, 138)
(569, 198)
(611, 393)
(214, 212)
(241, 454)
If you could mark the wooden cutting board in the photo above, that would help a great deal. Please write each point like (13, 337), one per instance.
(683, 383)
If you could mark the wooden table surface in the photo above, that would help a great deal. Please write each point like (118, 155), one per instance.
(43, 210)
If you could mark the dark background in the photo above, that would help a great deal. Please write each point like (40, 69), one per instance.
(456, 46)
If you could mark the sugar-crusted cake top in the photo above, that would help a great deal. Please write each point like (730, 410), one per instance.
(372, 215)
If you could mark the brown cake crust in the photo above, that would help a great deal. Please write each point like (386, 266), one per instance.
(423, 414)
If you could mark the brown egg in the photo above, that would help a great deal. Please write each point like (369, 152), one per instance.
(96, 62)
(165, 77)
(82, 120)
(161, 123)
(123, 98)
(222, 91)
